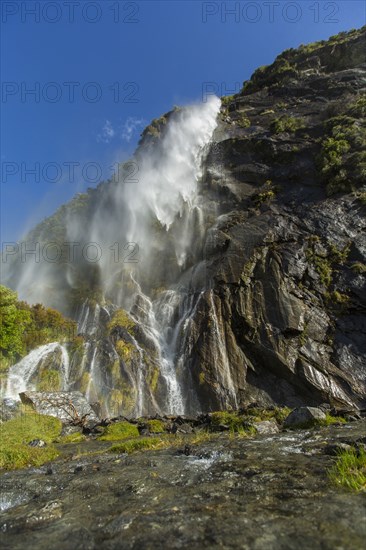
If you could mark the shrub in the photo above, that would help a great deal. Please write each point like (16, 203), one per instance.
(342, 159)
(286, 124)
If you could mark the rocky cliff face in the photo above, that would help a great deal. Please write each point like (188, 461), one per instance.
(286, 258)
(266, 300)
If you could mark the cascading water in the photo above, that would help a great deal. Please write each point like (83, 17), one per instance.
(161, 215)
(23, 375)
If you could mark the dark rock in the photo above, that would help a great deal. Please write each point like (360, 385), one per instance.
(334, 449)
(37, 443)
(303, 416)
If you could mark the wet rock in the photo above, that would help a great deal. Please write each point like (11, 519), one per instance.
(334, 449)
(37, 443)
(303, 416)
(69, 407)
(183, 428)
(266, 427)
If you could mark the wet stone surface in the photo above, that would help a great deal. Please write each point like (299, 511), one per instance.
(267, 492)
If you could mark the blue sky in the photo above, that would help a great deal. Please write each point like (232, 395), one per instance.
(102, 70)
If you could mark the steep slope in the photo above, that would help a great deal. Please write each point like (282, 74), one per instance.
(248, 226)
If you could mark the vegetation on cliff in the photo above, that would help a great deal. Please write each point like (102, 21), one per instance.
(24, 327)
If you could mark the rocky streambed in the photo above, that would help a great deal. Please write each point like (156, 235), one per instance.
(270, 491)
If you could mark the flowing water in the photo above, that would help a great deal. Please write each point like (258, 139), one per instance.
(23, 375)
(159, 219)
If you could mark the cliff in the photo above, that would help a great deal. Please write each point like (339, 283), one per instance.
(263, 300)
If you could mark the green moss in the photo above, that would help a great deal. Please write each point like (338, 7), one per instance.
(321, 265)
(125, 350)
(153, 377)
(140, 445)
(77, 345)
(84, 382)
(76, 437)
(121, 319)
(324, 270)
(349, 470)
(227, 99)
(235, 422)
(361, 197)
(359, 267)
(318, 423)
(286, 124)
(358, 107)
(277, 413)
(18, 432)
(49, 380)
(155, 426)
(329, 420)
(201, 378)
(243, 122)
(337, 297)
(118, 431)
(339, 256)
(265, 196)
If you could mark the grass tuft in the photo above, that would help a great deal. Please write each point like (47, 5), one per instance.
(350, 470)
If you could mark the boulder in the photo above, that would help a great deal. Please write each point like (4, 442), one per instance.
(266, 427)
(69, 407)
(303, 416)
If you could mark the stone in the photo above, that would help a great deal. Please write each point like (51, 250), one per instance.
(69, 407)
(37, 443)
(266, 427)
(333, 449)
(303, 416)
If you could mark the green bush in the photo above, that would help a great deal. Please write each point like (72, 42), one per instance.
(24, 327)
(286, 124)
(342, 159)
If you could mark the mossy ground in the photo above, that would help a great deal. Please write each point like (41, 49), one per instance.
(15, 435)
(119, 431)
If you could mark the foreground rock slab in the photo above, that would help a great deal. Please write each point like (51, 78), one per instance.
(269, 492)
(69, 407)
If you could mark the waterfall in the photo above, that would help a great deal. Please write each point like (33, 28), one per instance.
(158, 220)
(23, 375)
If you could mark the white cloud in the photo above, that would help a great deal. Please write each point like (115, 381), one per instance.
(130, 126)
(107, 133)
